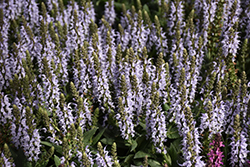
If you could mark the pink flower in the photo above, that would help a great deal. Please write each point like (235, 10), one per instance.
(215, 155)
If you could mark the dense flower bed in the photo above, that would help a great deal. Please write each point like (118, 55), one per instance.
(125, 89)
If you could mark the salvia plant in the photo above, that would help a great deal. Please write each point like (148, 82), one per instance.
(105, 83)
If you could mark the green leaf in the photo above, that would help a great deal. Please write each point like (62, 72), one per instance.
(145, 7)
(165, 107)
(18, 156)
(57, 160)
(28, 164)
(141, 154)
(118, 5)
(142, 125)
(46, 143)
(173, 133)
(133, 145)
(154, 163)
(97, 3)
(88, 135)
(57, 148)
(177, 145)
(98, 136)
(167, 159)
(143, 143)
(13, 151)
(43, 164)
(129, 158)
(135, 165)
(107, 141)
(173, 152)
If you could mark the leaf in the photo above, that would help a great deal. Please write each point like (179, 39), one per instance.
(142, 125)
(137, 162)
(18, 156)
(44, 164)
(173, 133)
(177, 145)
(88, 135)
(57, 148)
(145, 7)
(135, 166)
(118, 5)
(97, 3)
(46, 143)
(133, 145)
(142, 143)
(167, 159)
(129, 158)
(57, 160)
(28, 164)
(165, 107)
(98, 136)
(173, 152)
(107, 141)
(141, 154)
(13, 152)
(154, 163)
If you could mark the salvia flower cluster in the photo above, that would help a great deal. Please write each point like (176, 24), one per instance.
(128, 88)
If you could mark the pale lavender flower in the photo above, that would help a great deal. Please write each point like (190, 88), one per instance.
(14, 9)
(6, 162)
(194, 157)
(5, 109)
(86, 116)
(159, 41)
(35, 145)
(139, 36)
(159, 131)
(137, 70)
(176, 15)
(91, 11)
(31, 13)
(30, 143)
(53, 138)
(245, 20)
(16, 130)
(82, 27)
(89, 156)
(81, 77)
(232, 13)
(239, 150)
(198, 7)
(50, 3)
(105, 161)
(124, 39)
(208, 11)
(66, 118)
(183, 118)
(216, 122)
(98, 74)
(162, 84)
(231, 17)
(125, 118)
(109, 12)
(5, 60)
(22, 46)
(176, 25)
(78, 30)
